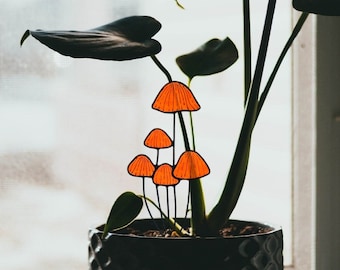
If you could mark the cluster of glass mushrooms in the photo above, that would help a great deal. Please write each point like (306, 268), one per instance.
(174, 98)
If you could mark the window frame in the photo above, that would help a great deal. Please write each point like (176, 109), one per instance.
(303, 140)
(316, 133)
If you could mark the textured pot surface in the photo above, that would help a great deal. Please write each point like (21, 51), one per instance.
(127, 252)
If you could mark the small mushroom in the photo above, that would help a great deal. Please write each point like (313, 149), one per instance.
(141, 166)
(190, 165)
(163, 176)
(175, 97)
(158, 138)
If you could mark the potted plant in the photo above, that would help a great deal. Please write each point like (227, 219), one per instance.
(199, 240)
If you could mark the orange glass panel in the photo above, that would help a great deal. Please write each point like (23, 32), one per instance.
(163, 176)
(175, 97)
(141, 166)
(158, 138)
(191, 166)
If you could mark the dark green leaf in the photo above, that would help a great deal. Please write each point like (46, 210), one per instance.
(125, 209)
(124, 39)
(25, 35)
(238, 169)
(321, 7)
(212, 57)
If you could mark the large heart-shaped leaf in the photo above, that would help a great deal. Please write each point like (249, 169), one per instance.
(124, 39)
(212, 57)
(125, 209)
(321, 7)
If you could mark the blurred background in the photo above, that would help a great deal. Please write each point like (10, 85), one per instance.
(69, 127)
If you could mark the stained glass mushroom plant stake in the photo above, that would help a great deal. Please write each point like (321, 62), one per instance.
(159, 139)
(142, 166)
(190, 166)
(176, 97)
(164, 177)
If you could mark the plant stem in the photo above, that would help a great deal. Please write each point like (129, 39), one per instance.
(180, 115)
(192, 124)
(175, 202)
(198, 214)
(167, 200)
(192, 131)
(184, 131)
(247, 49)
(235, 180)
(161, 67)
(178, 4)
(287, 46)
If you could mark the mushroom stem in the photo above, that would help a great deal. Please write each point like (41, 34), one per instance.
(175, 202)
(184, 131)
(161, 67)
(159, 201)
(146, 203)
(167, 201)
(157, 157)
(173, 140)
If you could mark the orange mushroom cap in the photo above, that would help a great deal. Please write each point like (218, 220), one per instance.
(158, 138)
(175, 97)
(163, 176)
(141, 166)
(190, 165)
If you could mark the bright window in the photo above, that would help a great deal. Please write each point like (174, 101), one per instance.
(68, 128)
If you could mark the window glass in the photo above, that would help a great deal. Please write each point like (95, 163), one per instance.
(69, 128)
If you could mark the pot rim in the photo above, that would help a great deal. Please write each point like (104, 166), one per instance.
(274, 229)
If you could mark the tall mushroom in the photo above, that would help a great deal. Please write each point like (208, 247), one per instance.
(190, 166)
(142, 166)
(176, 97)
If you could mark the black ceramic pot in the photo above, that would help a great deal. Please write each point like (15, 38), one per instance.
(119, 251)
